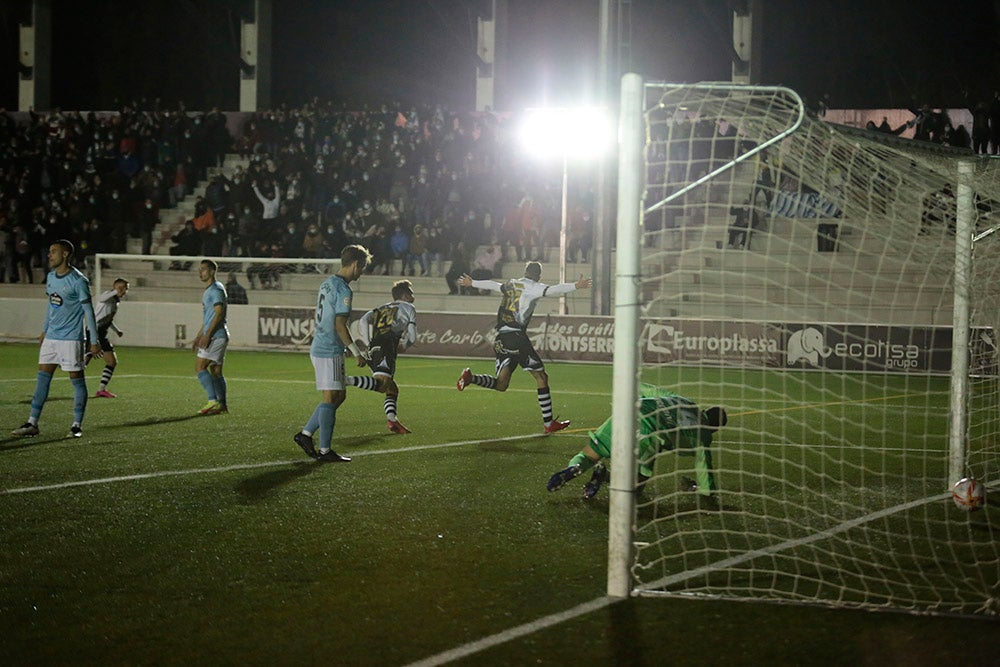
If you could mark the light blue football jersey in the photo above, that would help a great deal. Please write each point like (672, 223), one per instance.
(215, 294)
(334, 298)
(69, 304)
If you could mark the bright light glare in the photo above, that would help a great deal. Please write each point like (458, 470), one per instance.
(575, 133)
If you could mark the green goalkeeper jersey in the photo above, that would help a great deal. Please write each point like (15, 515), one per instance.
(667, 421)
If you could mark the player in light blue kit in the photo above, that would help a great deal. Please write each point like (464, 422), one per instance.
(331, 338)
(212, 339)
(63, 339)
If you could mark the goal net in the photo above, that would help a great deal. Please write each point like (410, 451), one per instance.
(836, 291)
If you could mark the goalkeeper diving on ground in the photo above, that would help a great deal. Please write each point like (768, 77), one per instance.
(667, 422)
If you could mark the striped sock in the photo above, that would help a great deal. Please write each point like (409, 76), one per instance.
(363, 382)
(390, 408)
(545, 403)
(485, 381)
(106, 377)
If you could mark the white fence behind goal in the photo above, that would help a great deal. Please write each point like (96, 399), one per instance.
(806, 277)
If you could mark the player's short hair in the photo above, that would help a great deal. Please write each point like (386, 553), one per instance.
(716, 417)
(401, 288)
(533, 270)
(66, 245)
(119, 281)
(211, 263)
(355, 253)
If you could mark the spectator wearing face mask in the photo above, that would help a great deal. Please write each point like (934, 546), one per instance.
(399, 245)
(291, 241)
(146, 220)
(312, 240)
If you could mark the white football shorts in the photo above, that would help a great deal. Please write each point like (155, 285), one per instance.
(216, 350)
(329, 372)
(68, 354)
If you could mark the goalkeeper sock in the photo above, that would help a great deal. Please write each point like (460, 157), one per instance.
(40, 396)
(205, 378)
(79, 399)
(363, 382)
(581, 460)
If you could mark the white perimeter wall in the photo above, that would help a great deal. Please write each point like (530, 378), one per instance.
(144, 324)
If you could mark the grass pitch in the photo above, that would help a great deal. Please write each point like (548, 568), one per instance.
(161, 537)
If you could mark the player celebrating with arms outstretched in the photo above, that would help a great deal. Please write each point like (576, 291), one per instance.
(512, 345)
(62, 338)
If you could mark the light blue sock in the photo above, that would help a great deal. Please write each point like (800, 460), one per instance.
(205, 378)
(220, 388)
(79, 399)
(40, 395)
(313, 422)
(327, 420)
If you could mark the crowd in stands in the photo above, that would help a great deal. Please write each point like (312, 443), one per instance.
(936, 126)
(425, 189)
(422, 188)
(96, 179)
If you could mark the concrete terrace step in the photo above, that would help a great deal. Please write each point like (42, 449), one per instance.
(172, 219)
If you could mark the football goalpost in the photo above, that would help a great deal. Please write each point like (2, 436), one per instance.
(837, 291)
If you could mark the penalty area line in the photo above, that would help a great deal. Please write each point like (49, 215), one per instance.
(251, 466)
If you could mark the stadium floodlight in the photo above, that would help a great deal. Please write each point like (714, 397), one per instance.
(577, 134)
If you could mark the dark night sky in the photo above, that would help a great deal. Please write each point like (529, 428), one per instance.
(864, 54)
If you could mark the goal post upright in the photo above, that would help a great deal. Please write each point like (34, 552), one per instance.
(837, 290)
(626, 349)
(964, 227)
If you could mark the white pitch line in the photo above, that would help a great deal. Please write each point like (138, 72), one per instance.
(513, 633)
(790, 544)
(599, 603)
(237, 380)
(249, 466)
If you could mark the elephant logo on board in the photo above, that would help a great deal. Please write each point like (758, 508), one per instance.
(807, 344)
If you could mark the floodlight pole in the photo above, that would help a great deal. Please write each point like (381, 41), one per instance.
(562, 230)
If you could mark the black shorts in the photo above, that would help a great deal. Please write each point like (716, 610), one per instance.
(382, 356)
(515, 347)
(103, 341)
